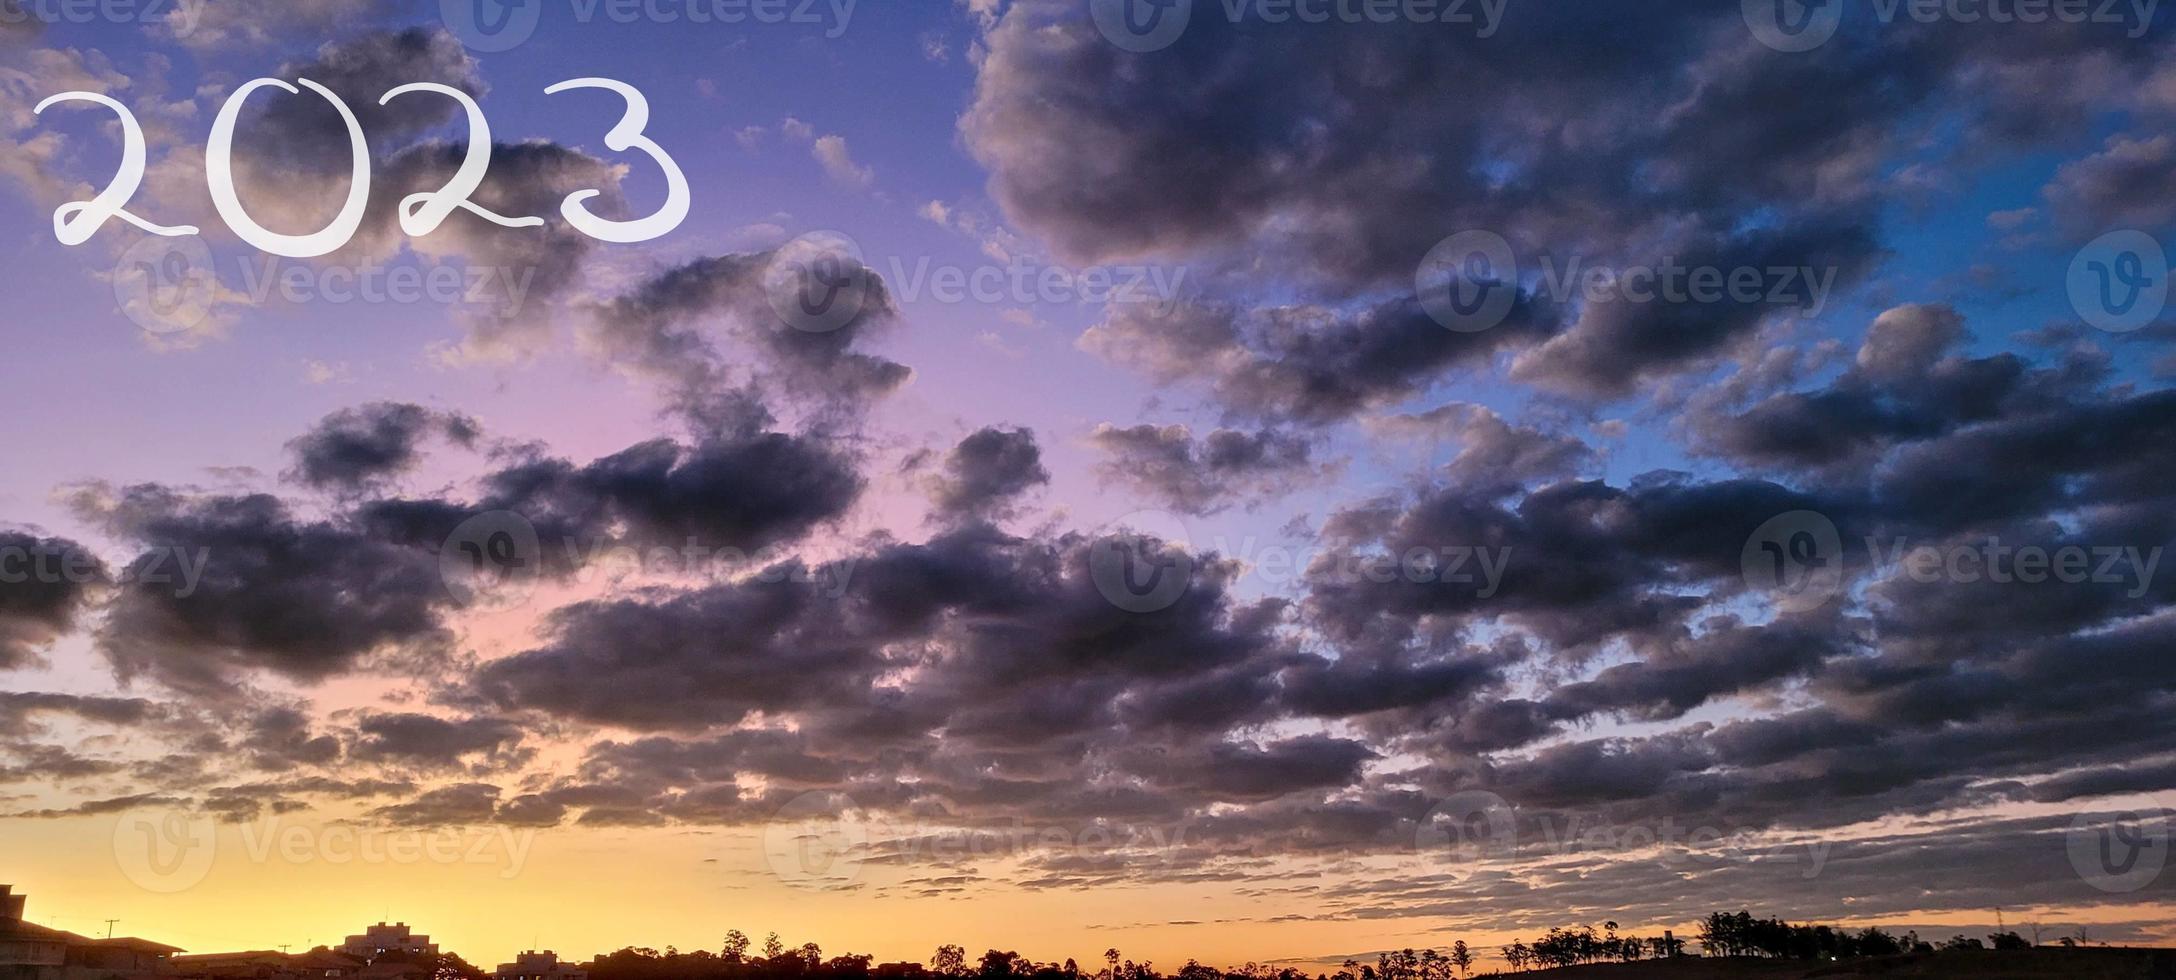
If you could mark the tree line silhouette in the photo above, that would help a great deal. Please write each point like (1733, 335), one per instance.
(1721, 934)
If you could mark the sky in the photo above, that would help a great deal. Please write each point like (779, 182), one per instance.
(1216, 478)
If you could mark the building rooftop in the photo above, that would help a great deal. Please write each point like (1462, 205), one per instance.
(13, 927)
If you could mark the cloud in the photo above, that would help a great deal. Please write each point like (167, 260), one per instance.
(986, 472)
(2124, 186)
(1305, 364)
(48, 583)
(838, 162)
(355, 449)
(659, 329)
(1205, 475)
(304, 599)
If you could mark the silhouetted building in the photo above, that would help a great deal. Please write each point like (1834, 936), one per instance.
(533, 965)
(317, 964)
(381, 939)
(33, 952)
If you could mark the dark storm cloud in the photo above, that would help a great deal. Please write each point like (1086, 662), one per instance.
(1232, 771)
(1201, 476)
(2127, 185)
(360, 70)
(659, 328)
(454, 805)
(1618, 341)
(1494, 454)
(1581, 561)
(1720, 658)
(20, 710)
(279, 739)
(355, 449)
(1305, 364)
(1015, 617)
(529, 266)
(428, 740)
(1023, 675)
(987, 472)
(1332, 157)
(748, 490)
(745, 491)
(700, 659)
(45, 585)
(259, 587)
(305, 599)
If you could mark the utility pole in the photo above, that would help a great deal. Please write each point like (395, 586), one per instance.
(109, 927)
